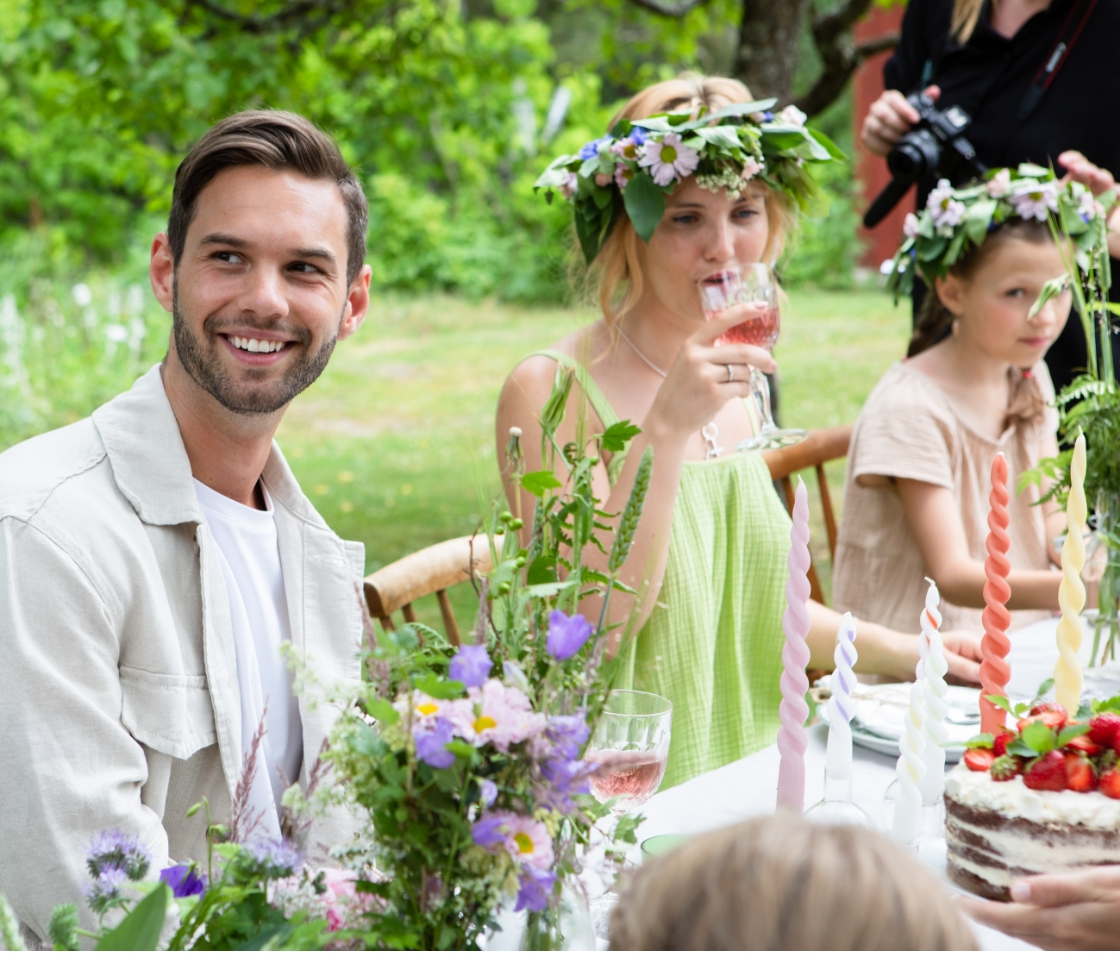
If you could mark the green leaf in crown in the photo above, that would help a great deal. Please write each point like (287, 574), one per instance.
(640, 162)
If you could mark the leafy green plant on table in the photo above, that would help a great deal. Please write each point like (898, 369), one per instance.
(469, 762)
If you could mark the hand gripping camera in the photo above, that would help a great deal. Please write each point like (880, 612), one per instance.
(935, 145)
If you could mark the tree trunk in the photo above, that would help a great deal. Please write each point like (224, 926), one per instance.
(767, 55)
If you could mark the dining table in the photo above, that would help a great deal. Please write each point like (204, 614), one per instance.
(748, 787)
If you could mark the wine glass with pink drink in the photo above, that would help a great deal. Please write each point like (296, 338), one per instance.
(630, 745)
(751, 283)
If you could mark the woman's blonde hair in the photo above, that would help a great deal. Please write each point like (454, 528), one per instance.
(965, 15)
(616, 273)
(784, 883)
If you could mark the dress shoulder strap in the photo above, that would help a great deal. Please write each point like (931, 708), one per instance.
(603, 410)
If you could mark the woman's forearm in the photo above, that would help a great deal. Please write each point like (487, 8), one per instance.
(880, 651)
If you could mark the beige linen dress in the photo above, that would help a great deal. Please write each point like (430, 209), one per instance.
(909, 428)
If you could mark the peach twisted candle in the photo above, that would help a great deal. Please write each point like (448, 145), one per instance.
(1071, 591)
(794, 711)
(994, 671)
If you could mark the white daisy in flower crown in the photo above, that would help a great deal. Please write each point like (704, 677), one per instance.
(955, 219)
(640, 162)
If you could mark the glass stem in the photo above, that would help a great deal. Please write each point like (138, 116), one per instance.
(837, 790)
(761, 390)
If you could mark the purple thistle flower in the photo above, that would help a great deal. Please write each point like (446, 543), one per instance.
(591, 148)
(183, 880)
(535, 887)
(489, 792)
(431, 745)
(274, 858)
(490, 830)
(114, 849)
(471, 665)
(566, 634)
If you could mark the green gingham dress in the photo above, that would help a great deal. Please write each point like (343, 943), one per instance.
(713, 644)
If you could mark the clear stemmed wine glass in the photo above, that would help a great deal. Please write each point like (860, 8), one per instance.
(630, 745)
(751, 283)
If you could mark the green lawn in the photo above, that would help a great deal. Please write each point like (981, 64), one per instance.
(395, 443)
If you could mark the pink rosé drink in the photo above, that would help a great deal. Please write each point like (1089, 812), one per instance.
(633, 776)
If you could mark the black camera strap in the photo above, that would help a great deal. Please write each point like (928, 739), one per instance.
(1056, 58)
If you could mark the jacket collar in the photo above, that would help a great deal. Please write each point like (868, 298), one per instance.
(150, 463)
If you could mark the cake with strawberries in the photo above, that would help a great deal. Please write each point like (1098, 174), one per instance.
(1044, 798)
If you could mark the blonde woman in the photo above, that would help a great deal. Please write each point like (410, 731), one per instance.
(709, 558)
(784, 883)
(1032, 75)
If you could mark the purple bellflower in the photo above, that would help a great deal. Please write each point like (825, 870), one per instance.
(431, 745)
(471, 665)
(535, 887)
(489, 792)
(591, 148)
(566, 634)
(184, 880)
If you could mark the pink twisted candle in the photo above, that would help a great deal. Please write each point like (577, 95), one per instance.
(994, 671)
(794, 711)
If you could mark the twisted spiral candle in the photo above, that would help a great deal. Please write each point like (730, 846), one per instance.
(1071, 592)
(841, 708)
(910, 768)
(994, 671)
(794, 711)
(934, 689)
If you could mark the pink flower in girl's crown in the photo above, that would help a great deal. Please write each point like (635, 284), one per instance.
(1000, 184)
(910, 225)
(1035, 200)
(946, 210)
(751, 168)
(623, 175)
(669, 159)
(570, 186)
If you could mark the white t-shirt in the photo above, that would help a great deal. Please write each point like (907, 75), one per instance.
(250, 554)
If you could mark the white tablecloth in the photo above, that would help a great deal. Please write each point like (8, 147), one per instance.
(748, 787)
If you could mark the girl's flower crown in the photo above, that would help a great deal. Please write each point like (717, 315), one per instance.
(638, 163)
(955, 219)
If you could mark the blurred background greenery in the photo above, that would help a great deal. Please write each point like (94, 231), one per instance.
(449, 109)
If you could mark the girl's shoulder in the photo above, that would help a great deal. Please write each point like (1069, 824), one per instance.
(904, 389)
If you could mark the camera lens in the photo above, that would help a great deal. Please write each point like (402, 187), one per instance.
(915, 154)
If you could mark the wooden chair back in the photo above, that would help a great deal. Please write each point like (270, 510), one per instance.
(817, 449)
(431, 570)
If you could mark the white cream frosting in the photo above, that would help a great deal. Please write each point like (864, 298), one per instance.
(1012, 798)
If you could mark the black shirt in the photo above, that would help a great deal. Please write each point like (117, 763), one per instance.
(989, 77)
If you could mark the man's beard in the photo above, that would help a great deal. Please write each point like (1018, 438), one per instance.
(204, 366)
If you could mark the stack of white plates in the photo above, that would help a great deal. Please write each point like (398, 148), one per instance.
(879, 721)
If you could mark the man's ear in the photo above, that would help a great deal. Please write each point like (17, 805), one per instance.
(951, 294)
(161, 271)
(357, 303)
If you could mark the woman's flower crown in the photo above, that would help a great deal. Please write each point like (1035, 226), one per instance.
(956, 219)
(639, 162)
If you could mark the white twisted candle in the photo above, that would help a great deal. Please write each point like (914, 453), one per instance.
(911, 768)
(1071, 591)
(841, 707)
(934, 689)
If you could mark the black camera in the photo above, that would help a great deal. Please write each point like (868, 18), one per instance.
(936, 145)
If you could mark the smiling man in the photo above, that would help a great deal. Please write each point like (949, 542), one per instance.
(154, 557)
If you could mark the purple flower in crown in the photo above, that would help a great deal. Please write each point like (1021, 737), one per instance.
(113, 849)
(471, 665)
(184, 880)
(566, 634)
(431, 745)
(534, 890)
(591, 148)
(274, 858)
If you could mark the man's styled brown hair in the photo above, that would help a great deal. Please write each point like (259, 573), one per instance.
(280, 141)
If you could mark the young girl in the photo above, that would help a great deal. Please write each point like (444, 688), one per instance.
(708, 560)
(974, 384)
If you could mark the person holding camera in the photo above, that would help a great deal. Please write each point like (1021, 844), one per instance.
(1000, 83)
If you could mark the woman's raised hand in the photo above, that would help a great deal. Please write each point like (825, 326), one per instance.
(705, 376)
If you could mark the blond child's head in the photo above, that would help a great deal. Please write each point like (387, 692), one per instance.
(784, 883)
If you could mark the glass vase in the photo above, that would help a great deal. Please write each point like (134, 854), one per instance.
(1106, 630)
(566, 926)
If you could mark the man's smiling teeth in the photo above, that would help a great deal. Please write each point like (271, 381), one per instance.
(257, 346)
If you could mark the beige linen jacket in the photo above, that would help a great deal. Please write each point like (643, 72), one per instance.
(119, 700)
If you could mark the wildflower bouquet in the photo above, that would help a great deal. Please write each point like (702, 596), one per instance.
(639, 163)
(469, 761)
